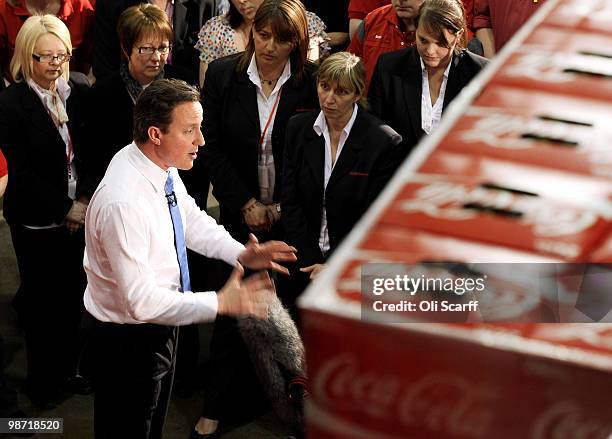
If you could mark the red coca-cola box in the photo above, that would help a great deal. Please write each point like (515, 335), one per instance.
(392, 381)
(583, 15)
(506, 297)
(578, 190)
(561, 61)
(475, 209)
(538, 128)
(602, 253)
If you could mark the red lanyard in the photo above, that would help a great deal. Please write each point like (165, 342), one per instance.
(263, 134)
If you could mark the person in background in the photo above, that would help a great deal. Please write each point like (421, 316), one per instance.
(3, 174)
(228, 34)
(384, 30)
(496, 21)
(411, 88)
(145, 35)
(248, 99)
(185, 16)
(44, 203)
(140, 223)
(337, 161)
(359, 9)
(77, 15)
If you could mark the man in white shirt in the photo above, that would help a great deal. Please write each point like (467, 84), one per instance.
(139, 221)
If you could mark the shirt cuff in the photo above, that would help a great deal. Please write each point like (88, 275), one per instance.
(207, 306)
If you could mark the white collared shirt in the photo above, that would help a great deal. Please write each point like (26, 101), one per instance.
(265, 106)
(320, 127)
(132, 269)
(431, 114)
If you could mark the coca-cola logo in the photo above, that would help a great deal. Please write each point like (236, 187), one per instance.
(539, 64)
(567, 420)
(446, 200)
(440, 403)
(496, 128)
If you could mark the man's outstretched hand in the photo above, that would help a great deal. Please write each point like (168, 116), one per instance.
(265, 256)
(246, 297)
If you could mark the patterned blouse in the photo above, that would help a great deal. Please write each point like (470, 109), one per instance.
(217, 39)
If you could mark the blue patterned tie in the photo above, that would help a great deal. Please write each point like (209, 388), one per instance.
(179, 234)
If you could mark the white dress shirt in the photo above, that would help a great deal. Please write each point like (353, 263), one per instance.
(431, 114)
(320, 127)
(266, 107)
(132, 269)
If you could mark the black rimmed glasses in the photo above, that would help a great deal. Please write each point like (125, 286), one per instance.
(61, 58)
(149, 51)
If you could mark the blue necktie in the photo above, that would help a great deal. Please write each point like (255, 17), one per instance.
(179, 234)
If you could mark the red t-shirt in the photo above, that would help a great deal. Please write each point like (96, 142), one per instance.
(360, 8)
(503, 17)
(382, 33)
(78, 15)
(3, 166)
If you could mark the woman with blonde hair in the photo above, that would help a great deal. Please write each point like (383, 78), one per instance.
(44, 203)
(337, 161)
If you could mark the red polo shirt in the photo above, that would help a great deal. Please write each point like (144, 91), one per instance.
(3, 166)
(360, 8)
(78, 15)
(382, 33)
(503, 17)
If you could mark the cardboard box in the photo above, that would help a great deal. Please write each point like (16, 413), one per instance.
(470, 208)
(561, 61)
(583, 15)
(393, 381)
(537, 128)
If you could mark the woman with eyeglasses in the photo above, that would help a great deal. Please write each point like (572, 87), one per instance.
(44, 203)
(145, 35)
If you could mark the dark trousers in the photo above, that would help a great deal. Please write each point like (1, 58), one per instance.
(8, 397)
(133, 375)
(49, 305)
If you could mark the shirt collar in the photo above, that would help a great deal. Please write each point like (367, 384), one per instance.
(320, 124)
(253, 74)
(156, 175)
(446, 71)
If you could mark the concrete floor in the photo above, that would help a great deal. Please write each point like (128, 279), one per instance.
(77, 410)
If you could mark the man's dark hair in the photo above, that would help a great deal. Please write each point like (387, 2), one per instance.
(155, 104)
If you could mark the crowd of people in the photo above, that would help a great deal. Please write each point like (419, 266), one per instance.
(306, 110)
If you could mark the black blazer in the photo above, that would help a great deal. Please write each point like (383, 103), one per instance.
(37, 191)
(109, 121)
(231, 130)
(368, 159)
(396, 88)
(188, 18)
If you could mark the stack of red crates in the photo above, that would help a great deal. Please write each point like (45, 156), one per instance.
(532, 139)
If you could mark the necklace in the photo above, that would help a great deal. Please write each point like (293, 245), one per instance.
(269, 81)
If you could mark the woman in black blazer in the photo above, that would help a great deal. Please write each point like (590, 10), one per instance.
(243, 147)
(439, 61)
(248, 99)
(336, 163)
(44, 203)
